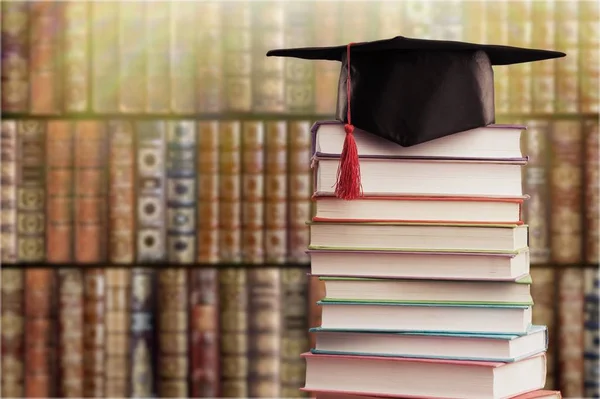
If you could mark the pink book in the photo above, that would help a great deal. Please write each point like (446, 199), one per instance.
(539, 394)
(393, 377)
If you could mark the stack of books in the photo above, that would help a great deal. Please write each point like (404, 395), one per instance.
(427, 274)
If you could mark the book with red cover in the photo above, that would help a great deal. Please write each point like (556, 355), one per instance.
(539, 394)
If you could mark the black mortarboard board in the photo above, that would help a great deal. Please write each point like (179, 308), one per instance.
(410, 91)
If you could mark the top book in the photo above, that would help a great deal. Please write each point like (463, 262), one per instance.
(493, 142)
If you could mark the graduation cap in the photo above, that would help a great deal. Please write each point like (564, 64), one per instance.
(410, 91)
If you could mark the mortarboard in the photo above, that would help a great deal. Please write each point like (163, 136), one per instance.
(410, 91)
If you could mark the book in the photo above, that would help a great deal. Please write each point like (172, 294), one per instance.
(490, 142)
(354, 289)
(420, 209)
(393, 377)
(385, 316)
(537, 394)
(458, 346)
(498, 266)
(415, 236)
(427, 176)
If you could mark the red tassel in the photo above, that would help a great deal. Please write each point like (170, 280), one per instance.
(348, 185)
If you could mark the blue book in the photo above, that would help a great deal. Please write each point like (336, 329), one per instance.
(451, 346)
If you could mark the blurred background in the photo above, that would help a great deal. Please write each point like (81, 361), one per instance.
(156, 181)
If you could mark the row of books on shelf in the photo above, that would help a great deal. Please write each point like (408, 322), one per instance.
(426, 276)
(155, 191)
(188, 192)
(136, 57)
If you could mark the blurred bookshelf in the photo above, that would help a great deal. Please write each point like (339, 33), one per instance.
(156, 182)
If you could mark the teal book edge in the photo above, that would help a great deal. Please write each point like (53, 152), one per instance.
(484, 359)
(501, 336)
(533, 329)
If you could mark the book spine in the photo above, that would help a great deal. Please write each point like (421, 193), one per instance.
(8, 191)
(268, 76)
(121, 251)
(141, 330)
(70, 291)
(474, 30)
(230, 192)
(151, 235)
(299, 76)
(294, 337)
(39, 338)
(535, 210)
(300, 190)
(592, 191)
(172, 333)
(237, 26)
(390, 17)
(90, 192)
(45, 18)
(151, 247)
(208, 192)
(356, 16)
(181, 225)
(264, 332)
(570, 332)
(233, 297)
(159, 60)
(60, 182)
(116, 353)
(567, 71)
(520, 35)
(121, 186)
(276, 192)
(94, 333)
(589, 41)
(210, 67)
(295, 282)
(105, 56)
(76, 54)
(181, 192)
(253, 188)
(543, 292)
(447, 20)
(326, 16)
(204, 289)
(496, 20)
(11, 285)
(591, 336)
(31, 193)
(182, 77)
(233, 311)
(12, 335)
(565, 192)
(132, 57)
(15, 56)
(542, 77)
(205, 336)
